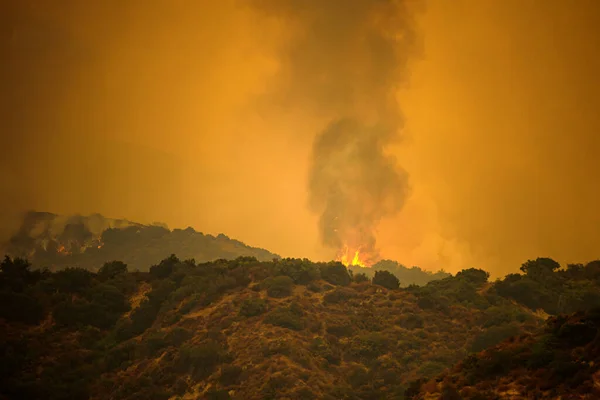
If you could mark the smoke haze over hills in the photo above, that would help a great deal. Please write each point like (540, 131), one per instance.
(166, 113)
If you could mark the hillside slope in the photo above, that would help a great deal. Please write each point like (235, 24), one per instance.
(561, 361)
(283, 329)
(240, 329)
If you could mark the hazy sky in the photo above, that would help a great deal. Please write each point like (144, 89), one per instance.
(162, 111)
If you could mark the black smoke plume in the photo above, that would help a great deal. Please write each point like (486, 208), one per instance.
(346, 61)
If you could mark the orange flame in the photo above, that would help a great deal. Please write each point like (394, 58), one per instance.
(355, 261)
(62, 250)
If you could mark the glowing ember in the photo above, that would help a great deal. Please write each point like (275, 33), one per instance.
(62, 250)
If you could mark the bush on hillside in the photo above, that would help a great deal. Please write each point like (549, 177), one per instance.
(341, 329)
(314, 287)
(72, 280)
(335, 273)
(492, 336)
(178, 335)
(143, 317)
(286, 317)
(410, 321)
(20, 307)
(386, 279)
(474, 276)
(253, 307)
(201, 360)
(110, 298)
(16, 274)
(278, 286)
(369, 346)
(302, 272)
(112, 269)
(230, 375)
(339, 295)
(165, 268)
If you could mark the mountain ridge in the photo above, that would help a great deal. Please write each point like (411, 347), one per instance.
(55, 241)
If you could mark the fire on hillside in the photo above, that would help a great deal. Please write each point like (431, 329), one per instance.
(350, 257)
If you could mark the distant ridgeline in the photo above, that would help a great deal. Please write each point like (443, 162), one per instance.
(407, 276)
(54, 241)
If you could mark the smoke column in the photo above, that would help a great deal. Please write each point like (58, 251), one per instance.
(345, 61)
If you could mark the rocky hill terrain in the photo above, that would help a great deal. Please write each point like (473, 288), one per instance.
(287, 329)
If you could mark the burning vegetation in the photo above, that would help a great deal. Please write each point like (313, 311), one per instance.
(349, 259)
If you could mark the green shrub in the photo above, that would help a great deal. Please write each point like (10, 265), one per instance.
(16, 274)
(286, 317)
(473, 276)
(314, 287)
(449, 392)
(386, 279)
(358, 377)
(123, 330)
(165, 268)
(112, 269)
(339, 295)
(410, 321)
(117, 356)
(368, 346)
(217, 394)
(230, 375)
(542, 352)
(300, 271)
(304, 393)
(177, 336)
(143, 317)
(161, 290)
(154, 342)
(102, 309)
(277, 346)
(322, 347)
(201, 360)
(279, 286)
(335, 273)
(492, 336)
(81, 312)
(72, 280)
(341, 330)
(276, 385)
(18, 307)
(360, 277)
(110, 298)
(429, 369)
(253, 307)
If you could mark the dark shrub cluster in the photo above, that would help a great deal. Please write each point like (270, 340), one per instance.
(287, 317)
(278, 286)
(253, 307)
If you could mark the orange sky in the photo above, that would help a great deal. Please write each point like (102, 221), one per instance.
(161, 113)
